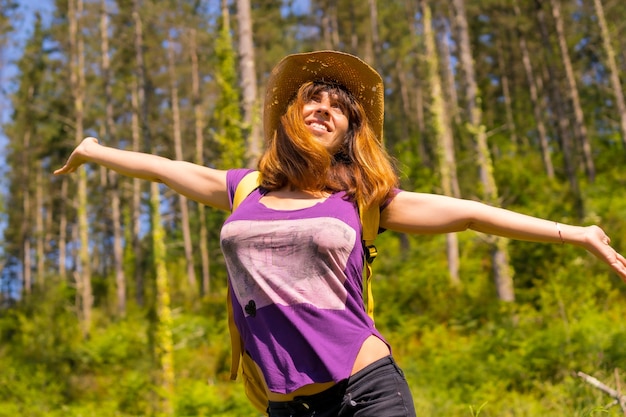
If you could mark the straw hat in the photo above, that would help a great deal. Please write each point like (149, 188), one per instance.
(365, 84)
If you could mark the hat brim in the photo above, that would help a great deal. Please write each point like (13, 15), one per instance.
(349, 71)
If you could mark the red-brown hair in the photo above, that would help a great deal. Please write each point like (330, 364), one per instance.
(293, 157)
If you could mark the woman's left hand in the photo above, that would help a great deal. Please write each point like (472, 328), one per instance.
(597, 242)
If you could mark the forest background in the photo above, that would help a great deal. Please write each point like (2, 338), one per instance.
(112, 290)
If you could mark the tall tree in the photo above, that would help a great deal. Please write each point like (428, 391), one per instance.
(579, 121)
(178, 152)
(22, 174)
(7, 17)
(164, 348)
(557, 107)
(503, 274)
(506, 93)
(162, 333)
(139, 132)
(6, 14)
(39, 231)
(443, 39)
(273, 34)
(21, 159)
(612, 65)
(248, 82)
(77, 83)
(329, 25)
(537, 103)
(27, 281)
(199, 125)
(443, 135)
(372, 45)
(114, 191)
(228, 117)
(418, 91)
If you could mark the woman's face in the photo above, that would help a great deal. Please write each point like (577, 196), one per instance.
(327, 119)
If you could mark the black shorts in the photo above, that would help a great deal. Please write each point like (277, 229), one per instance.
(378, 390)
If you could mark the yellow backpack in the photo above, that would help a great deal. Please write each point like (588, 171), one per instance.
(253, 381)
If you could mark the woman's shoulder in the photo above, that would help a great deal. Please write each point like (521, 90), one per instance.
(233, 178)
(235, 175)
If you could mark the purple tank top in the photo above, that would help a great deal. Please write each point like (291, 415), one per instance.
(296, 279)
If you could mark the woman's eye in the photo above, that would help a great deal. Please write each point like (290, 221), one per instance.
(338, 107)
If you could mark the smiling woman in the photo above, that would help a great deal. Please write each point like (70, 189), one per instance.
(294, 245)
(323, 139)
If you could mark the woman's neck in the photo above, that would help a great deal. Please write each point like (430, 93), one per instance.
(289, 198)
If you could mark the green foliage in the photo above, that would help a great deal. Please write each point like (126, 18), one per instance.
(36, 354)
(48, 370)
(463, 352)
(196, 398)
(229, 133)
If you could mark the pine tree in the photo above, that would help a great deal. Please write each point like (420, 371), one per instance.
(500, 255)
(609, 51)
(248, 83)
(443, 136)
(228, 119)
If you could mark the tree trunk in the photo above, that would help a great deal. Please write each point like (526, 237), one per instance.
(199, 128)
(502, 271)
(412, 11)
(178, 152)
(449, 85)
(77, 82)
(114, 192)
(579, 123)
(163, 334)
(39, 227)
(27, 274)
(63, 227)
(536, 103)
(561, 119)
(137, 128)
(248, 82)
(403, 88)
(329, 17)
(373, 48)
(610, 62)
(443, 137)
(506, 93)
(228, 130)
(334, 23)
(354, 36)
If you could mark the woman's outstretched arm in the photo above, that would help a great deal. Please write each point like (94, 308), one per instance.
(430, 214)
(199, 183)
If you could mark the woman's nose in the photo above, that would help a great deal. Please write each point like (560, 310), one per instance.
(323, 108)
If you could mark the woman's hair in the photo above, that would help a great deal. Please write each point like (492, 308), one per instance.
(293, 157)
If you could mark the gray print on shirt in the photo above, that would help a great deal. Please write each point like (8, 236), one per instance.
(289, 262)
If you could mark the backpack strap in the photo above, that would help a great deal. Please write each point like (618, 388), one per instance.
(370, 221)
(236, 347)
(254, 384)
(247, 184)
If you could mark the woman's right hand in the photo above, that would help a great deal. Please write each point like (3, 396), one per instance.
(77, 157)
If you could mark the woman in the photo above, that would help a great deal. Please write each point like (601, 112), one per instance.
(293, 247)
